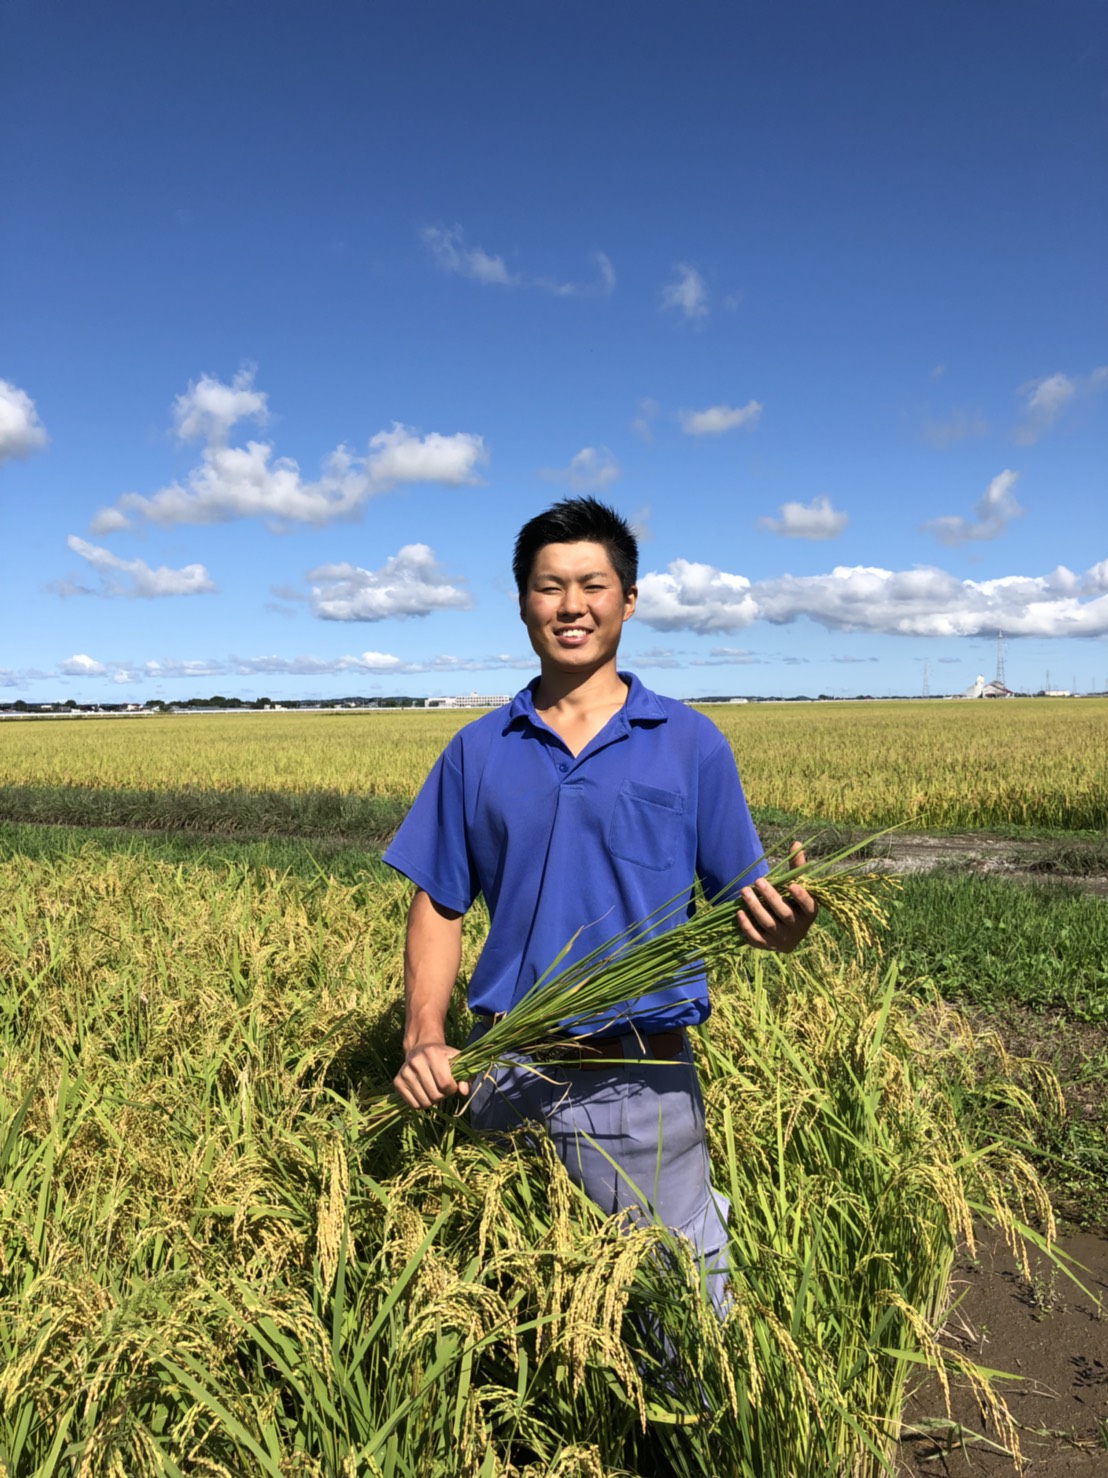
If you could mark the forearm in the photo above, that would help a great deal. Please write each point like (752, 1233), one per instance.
(432, 958)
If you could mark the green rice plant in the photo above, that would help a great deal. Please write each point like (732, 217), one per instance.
(669, 948)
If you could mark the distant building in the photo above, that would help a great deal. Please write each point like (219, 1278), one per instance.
(982, 689)
(471, 700)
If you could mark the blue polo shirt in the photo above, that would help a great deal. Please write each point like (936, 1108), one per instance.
(595, 843)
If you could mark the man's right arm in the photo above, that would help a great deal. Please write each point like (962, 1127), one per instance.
(432, 958)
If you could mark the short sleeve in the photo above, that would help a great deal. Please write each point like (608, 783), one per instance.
(727, 847)
(431, 846)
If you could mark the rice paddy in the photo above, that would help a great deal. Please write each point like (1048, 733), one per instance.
(1027, 762)
(211, 1263)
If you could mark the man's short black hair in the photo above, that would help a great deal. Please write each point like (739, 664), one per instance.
(577, 521)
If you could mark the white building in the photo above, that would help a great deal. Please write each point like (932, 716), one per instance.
(470, 700)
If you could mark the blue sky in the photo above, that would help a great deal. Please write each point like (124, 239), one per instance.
(306, 310)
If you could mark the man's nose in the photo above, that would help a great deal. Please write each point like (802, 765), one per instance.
(572, 602)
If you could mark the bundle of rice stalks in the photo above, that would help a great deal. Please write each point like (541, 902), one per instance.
(669, 948)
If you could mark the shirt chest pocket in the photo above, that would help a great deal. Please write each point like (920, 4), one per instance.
(647, 825)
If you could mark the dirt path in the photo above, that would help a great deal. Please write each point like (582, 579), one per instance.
(1018, 859)
(1049, 1334)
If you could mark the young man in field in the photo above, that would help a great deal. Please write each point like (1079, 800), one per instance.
(584, 805)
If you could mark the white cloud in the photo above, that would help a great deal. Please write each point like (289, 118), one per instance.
(410, 583)
(814, 520)
(687, 293)
(603, 286)
(607, 272)
(719, 418)
(451, 253)
(249, 482)
(590, 470)
(1045, 400)
(81, 665)
(918, 602)
(173, 667)
(930, 602)
(400, 456)
(695, 597)
(995, 509)
(134, 577)
(21, 431)
(208, 409)
(656, 657)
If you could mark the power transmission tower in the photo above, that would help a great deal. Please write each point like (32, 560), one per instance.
(1000, 659)
(926, 681)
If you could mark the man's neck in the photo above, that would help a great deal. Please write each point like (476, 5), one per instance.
(577, 706)
(575, 694)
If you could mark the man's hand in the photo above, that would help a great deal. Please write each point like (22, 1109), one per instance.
(771, 920)
(425, 1077)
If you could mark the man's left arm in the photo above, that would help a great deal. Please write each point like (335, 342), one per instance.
(777, 920)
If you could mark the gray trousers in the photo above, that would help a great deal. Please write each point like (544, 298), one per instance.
(630, 1135)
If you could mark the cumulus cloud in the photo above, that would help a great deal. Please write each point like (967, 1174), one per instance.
(687, 294)
(995, 509)
(451, 252)
(918, 602)
(208, 408)
(695, 597)
(410, 583)
(134, 577)
(81, 665)
(930, 602)
(21, 431)
(248, 481)
(591, 470)
(719, 418)
(814, 520)
(1045, 400)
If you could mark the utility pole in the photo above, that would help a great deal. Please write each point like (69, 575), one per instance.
(926, 680)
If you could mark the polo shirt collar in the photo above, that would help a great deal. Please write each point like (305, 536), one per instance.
(640, 706)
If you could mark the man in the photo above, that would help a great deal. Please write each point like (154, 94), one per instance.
(584, 805)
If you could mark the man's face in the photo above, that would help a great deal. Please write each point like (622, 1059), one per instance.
(574, 607)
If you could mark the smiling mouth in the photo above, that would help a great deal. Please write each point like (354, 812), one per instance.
(572, 634)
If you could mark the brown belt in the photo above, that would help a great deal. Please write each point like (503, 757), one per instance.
(591, 1054)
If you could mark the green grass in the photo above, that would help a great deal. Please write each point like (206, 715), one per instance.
(993, 943)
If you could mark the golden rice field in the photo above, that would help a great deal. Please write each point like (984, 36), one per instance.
(212, 1263)
(1033, 762)
(213, 1259)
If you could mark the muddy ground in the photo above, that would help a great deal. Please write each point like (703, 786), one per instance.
(1048, 1334)
(1052, 1339)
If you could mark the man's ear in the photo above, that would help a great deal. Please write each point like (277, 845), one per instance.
(629, 601)
(522, 612)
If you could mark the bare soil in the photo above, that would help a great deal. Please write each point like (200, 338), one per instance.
(1014, 858)
(1051, 1337)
